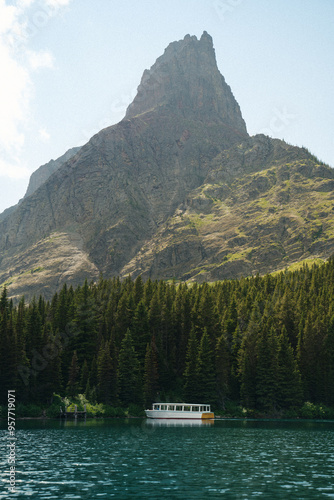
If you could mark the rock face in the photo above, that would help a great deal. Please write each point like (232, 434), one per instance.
(186, 81)
(263, 206)
(176, 189)
(42, 174)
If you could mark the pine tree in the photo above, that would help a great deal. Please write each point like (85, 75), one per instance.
(73, 384)
(151, 375)
(154, 317)
(289, 387)
(191, 386)
(48, 377)
(84, 376)
(123, 318)
(206, 375)
(129, 387)
(223, 371)
(167, 348)
(310, 355)
(91, 387)
(140, 330)
(138, 290)
(106, 376)
(8, 350)
(286, 316)
(34, 329)
(182, 326)
(231, 322)
(247, 360)
(328, 368)
(148, 292)
(266, 369)
(61, 310)
(85, 323)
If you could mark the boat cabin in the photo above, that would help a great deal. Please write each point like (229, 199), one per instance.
(180, 407)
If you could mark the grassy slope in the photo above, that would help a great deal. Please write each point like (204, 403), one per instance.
(263, 216)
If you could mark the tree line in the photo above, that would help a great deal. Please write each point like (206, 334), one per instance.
(264, 342)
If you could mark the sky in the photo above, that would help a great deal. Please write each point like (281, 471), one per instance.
(69, 68)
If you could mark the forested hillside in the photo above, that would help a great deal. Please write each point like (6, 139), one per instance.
(264, 342)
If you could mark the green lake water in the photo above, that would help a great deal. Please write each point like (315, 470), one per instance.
(124, 459)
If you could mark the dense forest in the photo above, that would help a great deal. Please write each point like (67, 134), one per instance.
(266, 343)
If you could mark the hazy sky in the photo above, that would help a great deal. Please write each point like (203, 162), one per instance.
(71, 67)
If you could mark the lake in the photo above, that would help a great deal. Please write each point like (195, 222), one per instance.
(123, 459)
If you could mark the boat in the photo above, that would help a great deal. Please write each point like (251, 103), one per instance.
(180, 411)
(179, 422)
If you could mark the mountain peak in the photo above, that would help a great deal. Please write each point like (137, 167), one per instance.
(186, 81)
(180, 192)
(204, 41)
(206, 38)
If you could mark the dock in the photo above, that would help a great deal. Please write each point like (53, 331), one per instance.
(72, 412)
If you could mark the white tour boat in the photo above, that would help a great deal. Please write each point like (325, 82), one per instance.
(180, 410)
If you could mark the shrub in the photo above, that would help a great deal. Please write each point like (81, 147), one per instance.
(53, 411)
(135, 411)
(311, 410)
(114, 412)
(233, 410)
(291, 414)
(29, 410)
(308, 410)
(3, 412)
(57, 400)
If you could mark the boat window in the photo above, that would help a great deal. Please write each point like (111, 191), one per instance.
(164, 407)
(186, 408)
(195, 408)
(178, 408)
(171, 407)
(157, 407)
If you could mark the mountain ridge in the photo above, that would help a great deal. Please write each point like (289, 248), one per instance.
(159, 193)
(39, 176)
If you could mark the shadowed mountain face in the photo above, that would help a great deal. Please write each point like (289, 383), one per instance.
(176, 189)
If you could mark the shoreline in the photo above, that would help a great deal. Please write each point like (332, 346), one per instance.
(219, 418)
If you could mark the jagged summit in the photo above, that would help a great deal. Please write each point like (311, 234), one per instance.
(205, 42)
(186, 81)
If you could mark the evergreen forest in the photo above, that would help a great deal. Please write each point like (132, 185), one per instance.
(263, 343)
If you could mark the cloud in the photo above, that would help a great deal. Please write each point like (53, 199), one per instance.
(18, 23)
(13, 169)
(44, 135)
(57, 3)
(42, 59)
(14, 98)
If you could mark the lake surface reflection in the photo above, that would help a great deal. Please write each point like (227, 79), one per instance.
(148, 459)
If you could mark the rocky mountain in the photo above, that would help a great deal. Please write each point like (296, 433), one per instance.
(263, 206)
(177, 189)
(40, 176)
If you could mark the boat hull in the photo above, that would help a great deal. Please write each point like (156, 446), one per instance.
(191, 415)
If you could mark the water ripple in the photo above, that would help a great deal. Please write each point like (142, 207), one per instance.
(132, 459)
